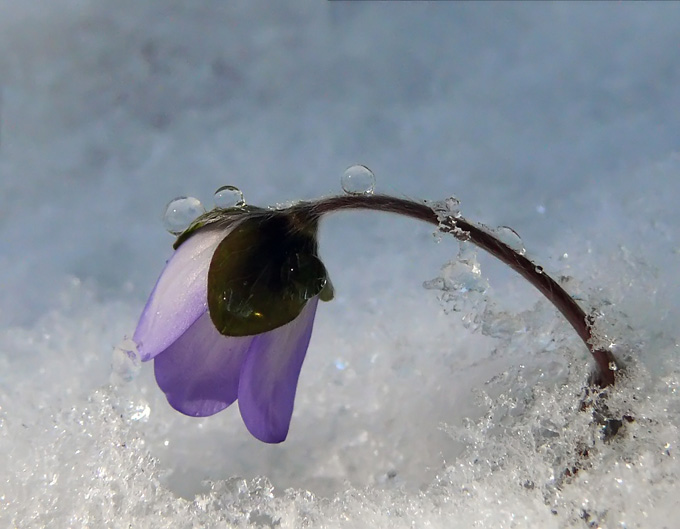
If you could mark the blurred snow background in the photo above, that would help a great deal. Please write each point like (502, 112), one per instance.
(560, 120)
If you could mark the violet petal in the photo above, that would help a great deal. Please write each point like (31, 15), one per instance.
(199, 373)
(180, 295)
(269, 376)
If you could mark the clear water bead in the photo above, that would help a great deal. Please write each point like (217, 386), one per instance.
(510, 237)
(358, 180)
(229, 197)
(180, 213)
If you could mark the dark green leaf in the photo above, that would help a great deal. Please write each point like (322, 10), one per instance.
(217, 218)
(263, 273)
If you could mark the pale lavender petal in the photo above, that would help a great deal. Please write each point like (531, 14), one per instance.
(269, 376)
(199, 373)
(180, 295)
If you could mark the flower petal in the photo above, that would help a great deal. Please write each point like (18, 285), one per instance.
(180, 295)
(199, 373)
(269, 376)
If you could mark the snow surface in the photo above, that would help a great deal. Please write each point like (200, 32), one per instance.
(560, 120)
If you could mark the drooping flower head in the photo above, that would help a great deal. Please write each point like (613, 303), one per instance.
(232, 313)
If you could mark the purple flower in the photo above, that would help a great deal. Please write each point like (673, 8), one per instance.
(257, 279)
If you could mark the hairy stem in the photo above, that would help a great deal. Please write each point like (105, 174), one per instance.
(466, 230)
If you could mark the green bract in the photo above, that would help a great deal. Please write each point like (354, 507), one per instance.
(263, 273)
(216, 219)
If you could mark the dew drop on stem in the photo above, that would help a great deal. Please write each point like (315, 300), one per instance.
(358, 180)
(511, 238)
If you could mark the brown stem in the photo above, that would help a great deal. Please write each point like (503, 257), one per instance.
(466, 230)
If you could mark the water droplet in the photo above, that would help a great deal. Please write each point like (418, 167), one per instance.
(613, 366)
(180, 213)
(229, 197)
(358, 180)
(539, 269)
(510, 237)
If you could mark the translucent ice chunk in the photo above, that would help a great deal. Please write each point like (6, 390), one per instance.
(125, 363)
(462, 286)
(449, 207)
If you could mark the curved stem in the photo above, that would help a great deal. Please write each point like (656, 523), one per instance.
(466, 230)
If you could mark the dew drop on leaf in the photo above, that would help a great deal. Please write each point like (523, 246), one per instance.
(180, 213)
(229, 197)
(358, 180)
